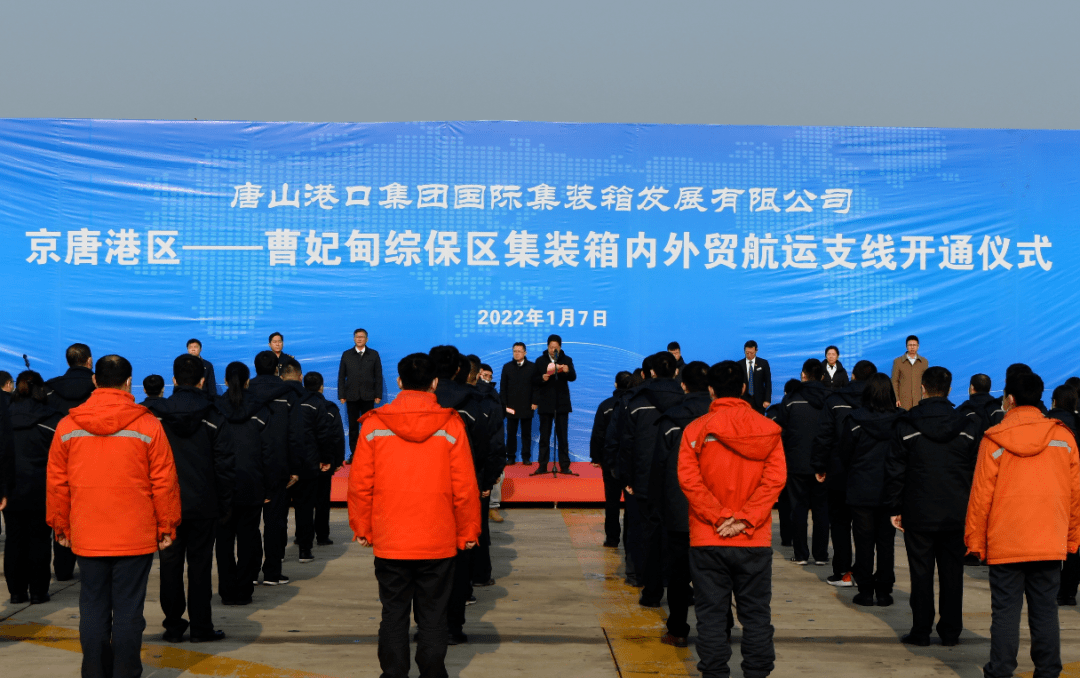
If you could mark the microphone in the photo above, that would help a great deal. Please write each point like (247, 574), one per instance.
(26, 360)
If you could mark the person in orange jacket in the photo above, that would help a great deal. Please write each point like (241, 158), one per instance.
(413, 498)
(113, 498)
(732, 469)
(1023, 518)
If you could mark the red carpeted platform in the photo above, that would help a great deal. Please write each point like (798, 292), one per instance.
(519, 487)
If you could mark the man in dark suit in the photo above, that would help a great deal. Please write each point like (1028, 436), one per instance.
(209, 387)
(758, 378)
(516, 392)
(551, 383)
(277, 346)
(359, 382)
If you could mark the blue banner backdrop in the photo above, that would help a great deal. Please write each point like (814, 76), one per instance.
(135, 236)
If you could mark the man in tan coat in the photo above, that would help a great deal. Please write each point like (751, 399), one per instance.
(907, 371)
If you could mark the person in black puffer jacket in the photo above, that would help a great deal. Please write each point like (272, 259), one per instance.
(612, 487)
(26, 553)
(1063, 408)
(928, 480)
(800, 418)
(833, 375)
(869, 437)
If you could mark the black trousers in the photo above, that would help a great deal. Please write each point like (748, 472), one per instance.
(194, 543)
(561, 421)
(840, 528)
(1070, 576)
(807, 494)
(480, 570)
(323, 485)
(783, 511)
(512, 439)
(946, 549)
(275, 533)
(873, 530)
(422, 586)
(653, 535)
(303, 494)
(1009, 585)
(720, 572)
(239, 550)
(635, 536)
(460, 590)
(613, 489)
(353, 409)
(111, 621)
(27, 553)
(679, 591)
(63, 562)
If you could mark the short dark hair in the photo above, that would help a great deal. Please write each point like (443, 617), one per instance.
(664, 365)
(1016, 368)
(154, 385)
(313, 381)
(673, 346)
(484, 367)
(357, 331)
(646, 366)
(265, 363)
(980, 383)
(29, 386)
(623, 379)
(464, 370)
(291, 367)
(187, 370)
(275, 334)
(1074, 382)
(864, 369)
(750, 344)
(726, 379)
(812, 369)
(5, 378)
(695, 376)
(832, 348)
(792, 385)
(444, 361)
(878, 394)
(417, 370)
(77, 355)
(555, 338)
(1065, 398)
(1026, 388)
(521, 344)
(193, 341)
(637, 378)
(937, 381)
(112, 371)
(912, 337)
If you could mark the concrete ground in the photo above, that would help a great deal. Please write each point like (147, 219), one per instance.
(559, 608)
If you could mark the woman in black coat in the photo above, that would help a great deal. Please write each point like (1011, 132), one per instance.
(868, 439)
(835, 377)
(28, 552)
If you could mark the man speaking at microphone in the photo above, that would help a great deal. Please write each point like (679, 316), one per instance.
(554, 372)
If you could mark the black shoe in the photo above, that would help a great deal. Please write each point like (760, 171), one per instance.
(921, 641)
(611, 544)
(173, 637)
(648, 603)
(471, 600)
(457, 638)
(305, 556)
(972, 560)
(885, 600)
(19, 598)
(951, 642)
(325, 542)
(281, 580)
(216, 635)
(632, 581)
(540, 472)
(785, 543)
(236, 602)
(44, 598)
(1067, 600)
(481, 584)
(864, 599)
(567, 472)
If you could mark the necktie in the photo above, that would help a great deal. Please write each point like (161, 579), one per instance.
(750, 376)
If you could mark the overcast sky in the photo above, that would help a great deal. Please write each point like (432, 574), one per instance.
(914, 63)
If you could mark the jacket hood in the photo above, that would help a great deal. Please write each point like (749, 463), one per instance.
(978, 400)
(815, 393)
(619, 392)
(662, 393)
(29, 413)
(1064, 416)
(414, 415)
(455, 395)
(485, 388)
(851, 394)
(241, 414)
(879, 425)
(183, 411)
(75, 384)
(107, 411)
(735, 424)
(937, 419)
(1025, 432)
(265, 388)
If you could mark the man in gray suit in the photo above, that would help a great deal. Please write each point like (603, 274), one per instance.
(360, 382)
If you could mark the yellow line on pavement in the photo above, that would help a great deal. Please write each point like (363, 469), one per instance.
(156, 656)
(633, 631)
